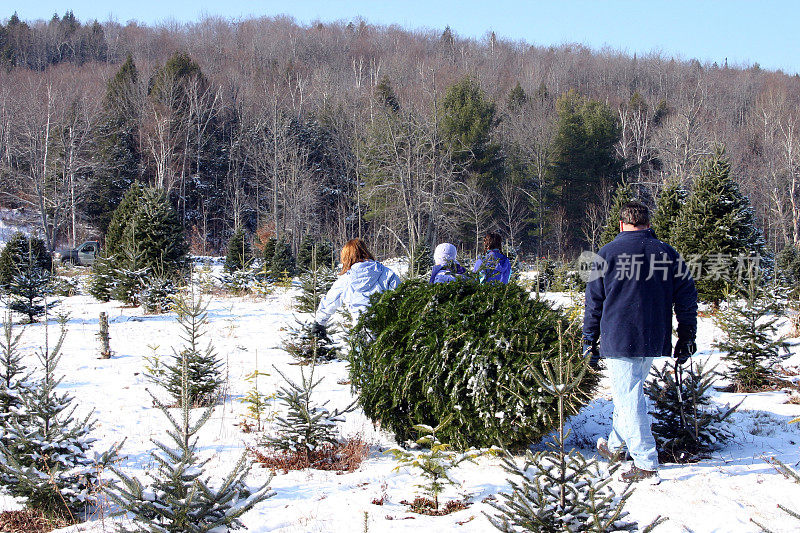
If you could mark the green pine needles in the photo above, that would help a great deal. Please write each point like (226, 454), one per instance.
(622, 195)
(26, 275)
(180, 498)
(435, 463)
(240, 252)
(422, 353)
(305, 346)
(314, 284)
(145, 238)
(46, 452)
(749, 324)
(717, 225)
(685, 424)
(558, 490)
(203, 364)
(12, 370)
(307, 426)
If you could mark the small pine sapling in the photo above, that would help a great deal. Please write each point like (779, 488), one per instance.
(686, 427)
(13, 381)
(46, 453)
(435, 464)
(256, 401)
(556, 489)
(12, 370)
(29, 286)
(180, 498)
(156, 294)
(307, 426)
(305, 346)
(240, 253)
(204, 367)
(750, 341)
(314, 284)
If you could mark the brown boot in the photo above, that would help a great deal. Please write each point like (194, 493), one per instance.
(606, 453)
(636, 474)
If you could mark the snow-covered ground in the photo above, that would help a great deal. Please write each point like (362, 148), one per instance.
(720, 494)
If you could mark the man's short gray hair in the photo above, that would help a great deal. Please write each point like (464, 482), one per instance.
(635, 214)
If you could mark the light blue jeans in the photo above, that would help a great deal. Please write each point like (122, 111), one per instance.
(631, 420)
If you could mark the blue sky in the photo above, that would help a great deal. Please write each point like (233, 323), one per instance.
(745, 32)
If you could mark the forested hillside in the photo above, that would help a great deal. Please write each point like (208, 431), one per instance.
(347, 129)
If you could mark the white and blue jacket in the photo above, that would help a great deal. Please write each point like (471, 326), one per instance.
(354, 287)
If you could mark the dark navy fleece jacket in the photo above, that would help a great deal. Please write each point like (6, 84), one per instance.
(630, 303)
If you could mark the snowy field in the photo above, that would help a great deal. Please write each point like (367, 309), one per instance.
(720, 494)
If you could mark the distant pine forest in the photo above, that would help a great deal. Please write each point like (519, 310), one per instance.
(346, 129)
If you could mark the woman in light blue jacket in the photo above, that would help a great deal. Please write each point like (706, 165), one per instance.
(360, 278)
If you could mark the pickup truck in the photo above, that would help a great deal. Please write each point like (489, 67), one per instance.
(83, 255)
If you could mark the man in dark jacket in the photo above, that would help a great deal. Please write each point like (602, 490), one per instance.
(636, 282)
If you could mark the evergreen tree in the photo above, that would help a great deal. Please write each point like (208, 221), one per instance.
(144, 238)
(313, 286)
(460, 348)
(622, 195)
(385, 94)
(307, 425)
(13, 381)
(282, 265)
(421, 260)
(29, 290)
(101, 281)
(203, 366)
(118, 157)
(25, 274)
(584, 154)
(120, 218)
(180, 498)
(717, 226)
(158, 233)
(239, 252)
(517, 97)
(309, 247)
(558, 490)
(435, 464)
(685, 424)
(787, 263)
(302, 344)
(750, 341)
(468, 117)
(18, 254)
(12, 370)
(47, 455)
(668, 208)
(269, 252)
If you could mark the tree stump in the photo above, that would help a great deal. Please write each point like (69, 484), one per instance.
(105, 343)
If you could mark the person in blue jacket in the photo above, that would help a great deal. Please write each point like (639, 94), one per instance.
(493, 265)
(635, 283)
(361, 276)
(445, 265)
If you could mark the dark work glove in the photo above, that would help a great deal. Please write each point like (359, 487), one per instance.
(684, 350)
(319, 331)
(686, 346)
(591, 350)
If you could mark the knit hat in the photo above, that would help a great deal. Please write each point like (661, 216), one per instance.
(444, 252)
